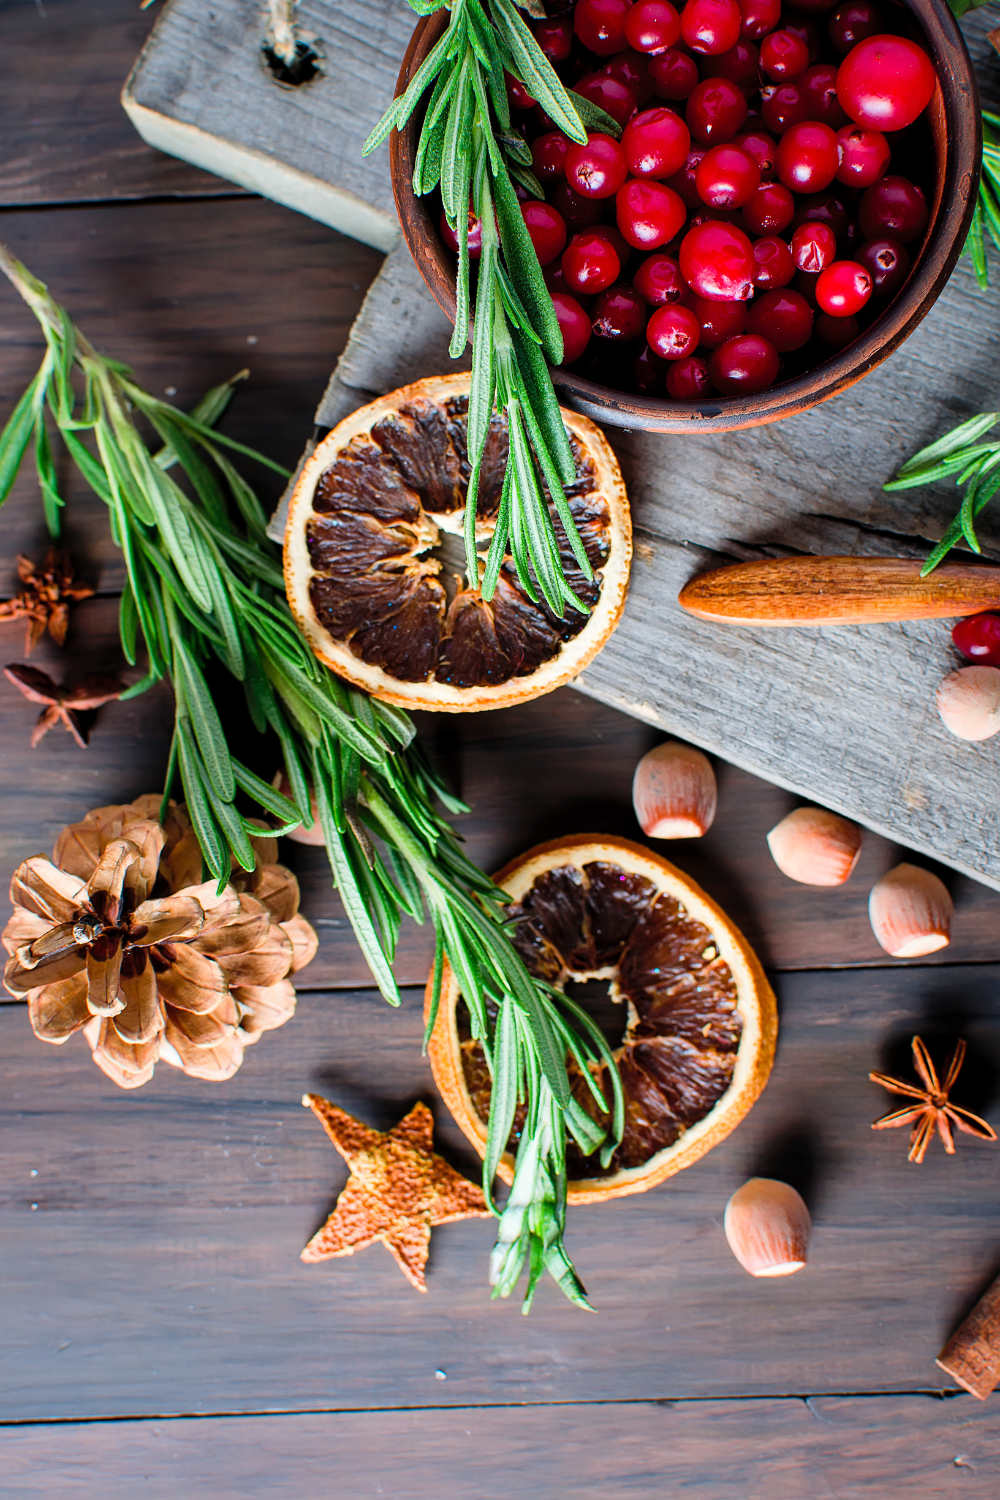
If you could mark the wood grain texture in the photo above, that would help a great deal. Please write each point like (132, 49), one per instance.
(65, 136)
(160, 1271)
(866, 1448)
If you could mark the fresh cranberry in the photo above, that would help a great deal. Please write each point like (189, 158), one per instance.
(806, 28)
(886, 82)
(836, 333)
(659, 280)
(978, 638)
(852, 23)
(578, 211)
(600, 24)
(823, 208)
(547, 229)
(517, 93)
(717, 262)
(574, 325)
(648, 371)
(475, 237)
(673, 74)
(774, 264)
(864, 155)
(687, 380)
(806, 158)
(744, 365)
(598, 169)
(615, 239)
(814, 247)
(893, 207)
(758, 18)
(631, 69)
(609, 94)
(684, 182)
(783, 55)
(548, 156)
(619, 314)
(759, 145)
(590, 263)
(652, 26)
(673, 332)
(727, 177)
(770, 210)
(843, 289)
(555, 38)
(740, 65)
(783, 317)
(718, 321)
(711, 26)
(818, 88)
(648, 213)
(783, 106)
(716, 110)
(887, 263)
(656, 143)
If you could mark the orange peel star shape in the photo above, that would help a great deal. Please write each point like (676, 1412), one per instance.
(397, 1191)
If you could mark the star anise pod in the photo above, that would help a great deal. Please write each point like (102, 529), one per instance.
(48, 590)
(62, 704)
(933, 1112)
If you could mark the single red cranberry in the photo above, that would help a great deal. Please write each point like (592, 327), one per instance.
(631, 69)
(864, 155)
(658, 279)
(761, 146)
(886, 82)
(852, 23)
(609, 94)
(783, 55)
(673, 331)
(744, 365)
(547, 229)
(615, 239)
(648, 371)
(590, 263)
(805, 27)
(887, 263)
(895, 208)
(843, 289)
(718, 321)
(548, 156)
(517, 94)
(684, 182)
(716, 110)
(814, 247)
(598, 169)
(818, 87)
(978, 638)
(836, 333)
(619, 314)
(648, 213)
(475, 238)
(600, 24)
(711, 26)
(770, 210)
(727, 177)
(578, 211)
(773, 261)
(555, 38)
(807, 158)
(758, 17)
(740, 65)
(782, 106)
(687, 380)
(823, 208)
(574, 325)
(656, 143)
(673, 74)
(652, 26)
(717, 262)
(782, 317)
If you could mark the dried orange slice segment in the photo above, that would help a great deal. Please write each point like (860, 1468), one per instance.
(696, 1018)
(375, 561)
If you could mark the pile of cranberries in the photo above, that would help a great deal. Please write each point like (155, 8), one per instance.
(755, 214)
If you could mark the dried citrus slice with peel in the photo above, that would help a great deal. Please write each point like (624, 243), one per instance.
(375, 558)
(695, 1017)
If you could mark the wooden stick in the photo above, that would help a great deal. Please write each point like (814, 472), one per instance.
(839, 591)
(972, 1354)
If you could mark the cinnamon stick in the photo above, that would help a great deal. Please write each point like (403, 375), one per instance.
(972, 1354)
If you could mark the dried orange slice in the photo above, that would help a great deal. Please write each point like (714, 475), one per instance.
(375, 561)
(696, 1017)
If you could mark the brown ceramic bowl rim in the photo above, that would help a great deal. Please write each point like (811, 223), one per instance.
(956, 104)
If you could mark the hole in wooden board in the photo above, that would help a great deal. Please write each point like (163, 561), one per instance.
(302, 68)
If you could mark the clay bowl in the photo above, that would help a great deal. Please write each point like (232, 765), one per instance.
(956, 128)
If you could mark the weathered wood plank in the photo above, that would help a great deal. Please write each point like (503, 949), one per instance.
(865, 1447)
(159, 1271)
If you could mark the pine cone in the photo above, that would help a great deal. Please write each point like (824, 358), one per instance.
(118, 936)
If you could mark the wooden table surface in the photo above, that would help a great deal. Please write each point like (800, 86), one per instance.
(160, 1336)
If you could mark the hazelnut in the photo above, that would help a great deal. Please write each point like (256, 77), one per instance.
(910, 911)
(767, 1226)
(969, 702)
(674, 792)
(815, 846)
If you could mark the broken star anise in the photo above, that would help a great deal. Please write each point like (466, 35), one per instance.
(49, 588)
(62, 704)
(933, 1111)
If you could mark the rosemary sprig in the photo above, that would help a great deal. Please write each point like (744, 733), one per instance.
(962, 455)
(986, 218)
(204, 586)
(470, 150)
